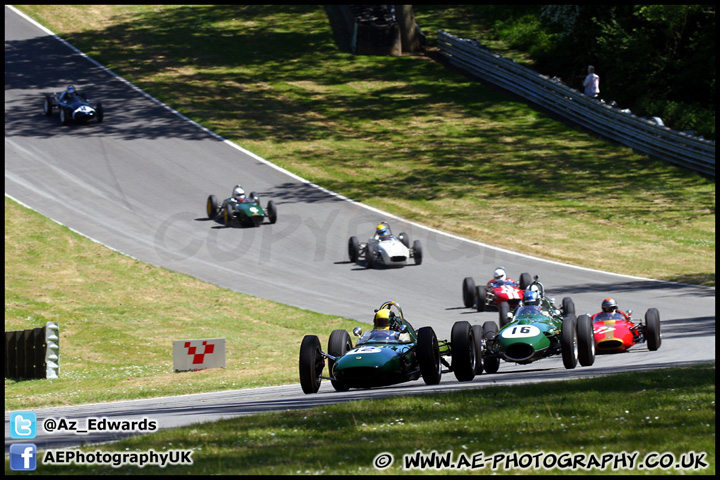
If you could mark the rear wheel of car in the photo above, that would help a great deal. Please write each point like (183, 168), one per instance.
(491, 364)
(463, 351)
(271, 211)
(503, 311)
(525, 281)
(99, 113)
(568, 306)
(428, 355)
(338, 345)
(353, 249)
(480, 298)
(586, 341)
(311, 364)
(47, 106)
(568, 342)
(652, 329)
(417, 252)
(478, 335)
(468, 292)
(211, 207)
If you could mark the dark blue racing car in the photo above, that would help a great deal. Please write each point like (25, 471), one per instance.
(73, 106)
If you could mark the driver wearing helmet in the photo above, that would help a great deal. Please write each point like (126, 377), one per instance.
(386, 320)
(382, 232)
(531, 302)
(610, 310)
(238, 194)
(69, 94)
(500, 278)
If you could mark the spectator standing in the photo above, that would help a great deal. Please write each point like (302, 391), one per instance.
(592, 83)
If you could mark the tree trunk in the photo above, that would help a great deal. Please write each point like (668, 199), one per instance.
(409, 33)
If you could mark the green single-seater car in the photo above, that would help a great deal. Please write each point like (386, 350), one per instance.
(537, 329)
(384, 357)
(240, 209)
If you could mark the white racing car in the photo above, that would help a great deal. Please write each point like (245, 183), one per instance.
(385, 249)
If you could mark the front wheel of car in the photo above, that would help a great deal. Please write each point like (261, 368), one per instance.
(491, 364)
(480, 298)
(478, 335)
(227, 215)
(652, 329)
(428, 355)
(464, 356)
(468, 292)
(503, 312)
(271, 211)
(338, 345)
(568, 342)
(63, 116)
(417, 252)
(47, 106)
(353, 249)
(311, 364)
(211, 207)
(99, 113)
(586, 341)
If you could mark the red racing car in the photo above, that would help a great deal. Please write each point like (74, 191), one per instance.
(615, 331)
(500, 292)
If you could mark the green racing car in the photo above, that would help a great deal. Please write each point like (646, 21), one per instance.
(537, 329)
(393, 352)
(241, 209)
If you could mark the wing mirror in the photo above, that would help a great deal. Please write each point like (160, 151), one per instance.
(357, 331)
(629, 312)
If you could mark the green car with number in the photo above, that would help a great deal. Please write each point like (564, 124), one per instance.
(241, 209)
(389, 356)
(538, 329)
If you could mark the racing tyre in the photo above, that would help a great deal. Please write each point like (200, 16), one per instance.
(369, 260)
(468, 292)
(47, 106)
(211, 207)
(99, 113)
(403, 237)
(254, 197)
(64, 120)
(652, 329)
(428, 355)
(353, 249)
(568, 306)
(227, 215)
(586, 341)
(417, 252)
(525, 281)
(478, 334)
(338, 345)
(463, 351)
(271, 211)
(503, 310)
(311, 364)
(490, 331)
(480, 296)
(568, 342)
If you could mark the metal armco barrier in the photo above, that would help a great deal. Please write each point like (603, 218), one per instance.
(29, 354)
(642, 135)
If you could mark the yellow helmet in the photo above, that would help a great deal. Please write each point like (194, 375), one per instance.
(381, 229)
(382, 319)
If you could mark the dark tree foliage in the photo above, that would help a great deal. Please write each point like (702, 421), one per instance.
(657, 60)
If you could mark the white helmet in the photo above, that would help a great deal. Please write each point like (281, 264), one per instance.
(499, 273)
(238, 192)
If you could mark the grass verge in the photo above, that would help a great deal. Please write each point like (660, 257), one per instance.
(667, 412)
